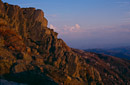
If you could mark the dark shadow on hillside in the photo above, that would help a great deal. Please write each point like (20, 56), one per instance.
(29, 77)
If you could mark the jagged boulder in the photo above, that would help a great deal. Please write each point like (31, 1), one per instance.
(31, 53)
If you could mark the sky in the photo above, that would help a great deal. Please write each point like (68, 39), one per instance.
(86, 24)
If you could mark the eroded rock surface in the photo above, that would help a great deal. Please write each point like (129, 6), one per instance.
(31, 53)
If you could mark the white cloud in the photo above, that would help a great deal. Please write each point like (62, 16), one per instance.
(74, 28)
(52, 27)
(77, 26)
(66, 29)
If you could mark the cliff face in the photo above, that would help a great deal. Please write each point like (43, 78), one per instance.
(31, 53)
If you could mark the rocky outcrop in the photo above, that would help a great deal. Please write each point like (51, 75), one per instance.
(31, 53)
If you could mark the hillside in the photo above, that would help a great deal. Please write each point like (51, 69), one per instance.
(113, 70)
(31, 53)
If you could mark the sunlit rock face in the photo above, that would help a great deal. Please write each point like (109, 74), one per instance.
(31, 53)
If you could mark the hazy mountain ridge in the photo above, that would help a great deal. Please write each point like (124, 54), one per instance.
(121, 52)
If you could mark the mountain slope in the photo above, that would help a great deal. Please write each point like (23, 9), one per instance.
(114, 71)
(31, 53)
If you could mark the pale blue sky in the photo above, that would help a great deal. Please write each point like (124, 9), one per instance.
(86, 23)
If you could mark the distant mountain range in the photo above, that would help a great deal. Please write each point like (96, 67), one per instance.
(121, 52)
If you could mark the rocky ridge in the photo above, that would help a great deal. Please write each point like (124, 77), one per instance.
(31, 53)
